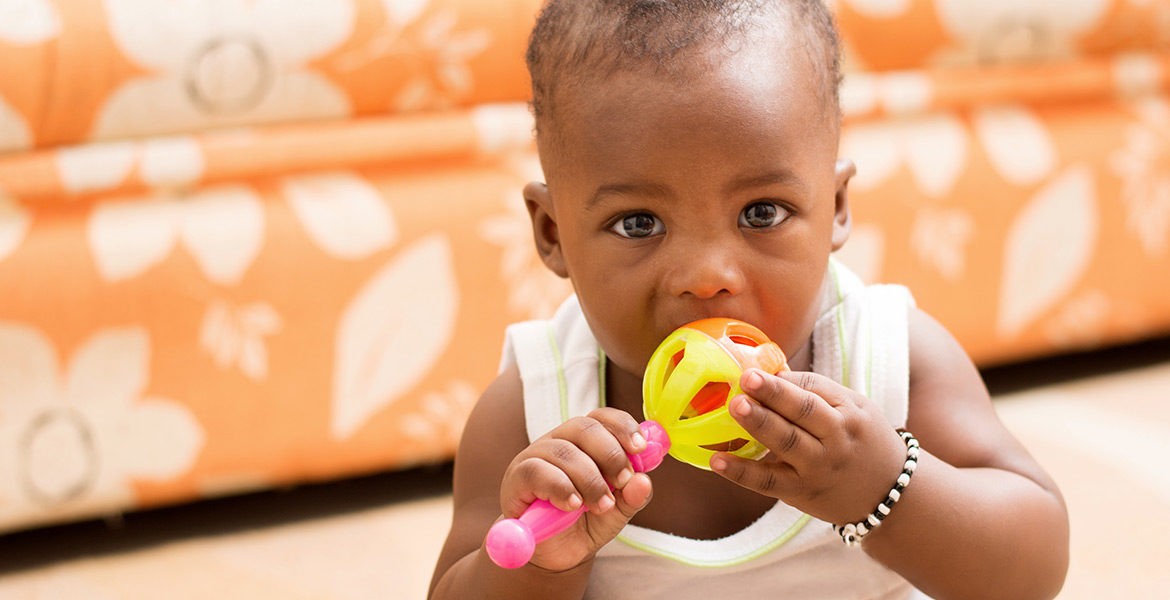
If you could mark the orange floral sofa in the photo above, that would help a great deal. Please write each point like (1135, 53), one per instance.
(246, 245)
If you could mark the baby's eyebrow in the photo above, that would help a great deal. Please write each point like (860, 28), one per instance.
(779, 176)
(631, 188)
(644, 189)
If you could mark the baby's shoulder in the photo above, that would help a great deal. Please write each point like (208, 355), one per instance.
(933, 350)
(496, 424)
(949, 405)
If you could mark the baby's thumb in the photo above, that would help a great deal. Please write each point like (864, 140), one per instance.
(630, 499)
(635, 496)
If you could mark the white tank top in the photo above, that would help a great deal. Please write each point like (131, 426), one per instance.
(859, 340)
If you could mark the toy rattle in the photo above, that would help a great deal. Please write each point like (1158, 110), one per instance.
(688, 381)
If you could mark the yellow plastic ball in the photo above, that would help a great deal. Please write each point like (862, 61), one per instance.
(691, 377)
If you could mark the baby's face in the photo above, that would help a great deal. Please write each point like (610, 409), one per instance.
(713, 197)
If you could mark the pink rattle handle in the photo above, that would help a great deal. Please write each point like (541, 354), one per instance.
(511, 542)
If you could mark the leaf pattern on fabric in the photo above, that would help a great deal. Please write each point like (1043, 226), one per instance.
(342, 213)
(1017, 142)
(392, 332)
(74, 441)
(1048, 249)
(235, 336)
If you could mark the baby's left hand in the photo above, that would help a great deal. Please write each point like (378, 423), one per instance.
(832, 453)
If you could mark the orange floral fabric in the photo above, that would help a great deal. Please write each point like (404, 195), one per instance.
(246, 244)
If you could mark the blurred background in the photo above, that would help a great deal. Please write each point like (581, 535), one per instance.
(256, 259)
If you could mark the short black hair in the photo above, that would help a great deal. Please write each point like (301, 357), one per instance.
(574, 40)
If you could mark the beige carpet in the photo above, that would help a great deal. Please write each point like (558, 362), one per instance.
(1104, 437)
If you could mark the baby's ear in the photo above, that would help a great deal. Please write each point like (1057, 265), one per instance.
(842, 220)
(544, 227)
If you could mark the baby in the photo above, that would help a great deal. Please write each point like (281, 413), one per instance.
(690, 155)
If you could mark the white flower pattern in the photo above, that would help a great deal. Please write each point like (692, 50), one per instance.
(933, 147)
(1143, 166)
(940, 237)
(163, 163)
(1006, 30)
(73, 441)
(242, 63)
(222, 227)
(533, 291)
(28, 22)
(441, 415)
(446, 78)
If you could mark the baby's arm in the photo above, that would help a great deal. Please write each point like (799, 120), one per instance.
(980, 518)
(497, 470)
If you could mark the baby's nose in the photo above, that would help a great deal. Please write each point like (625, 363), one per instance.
(707, 272)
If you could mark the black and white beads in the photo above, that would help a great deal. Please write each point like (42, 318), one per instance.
(852, 533)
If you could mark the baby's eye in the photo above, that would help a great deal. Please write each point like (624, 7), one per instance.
(638, 225)
(761, 215)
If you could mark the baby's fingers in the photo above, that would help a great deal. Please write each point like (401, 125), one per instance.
(606, 436)
(770, 478)
(534, 478)
(796, 397)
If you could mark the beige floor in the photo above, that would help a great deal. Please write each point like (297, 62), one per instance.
(1105, 438)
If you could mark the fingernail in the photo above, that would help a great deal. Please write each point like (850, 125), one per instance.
(605, 504)
(753, 381)
(574, 501)
(742, 406)
(637, 440)
(717, 463)
(624, 477)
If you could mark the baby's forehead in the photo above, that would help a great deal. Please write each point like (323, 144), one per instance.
(774, 50)
(759, 72)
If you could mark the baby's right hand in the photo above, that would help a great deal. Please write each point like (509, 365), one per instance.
(570, 465)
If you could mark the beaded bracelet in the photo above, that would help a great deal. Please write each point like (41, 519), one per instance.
(852, 533)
